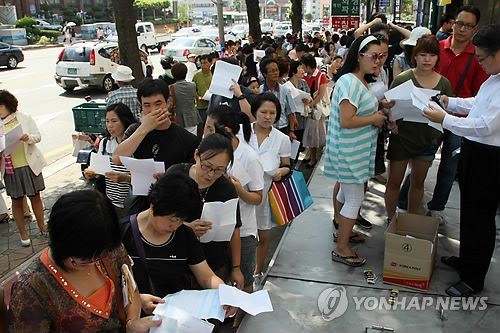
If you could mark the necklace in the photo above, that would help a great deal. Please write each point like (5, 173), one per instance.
(203, 196)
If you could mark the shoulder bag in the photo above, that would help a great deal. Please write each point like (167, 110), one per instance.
(140, 250)
(173, 116)
(324, 105)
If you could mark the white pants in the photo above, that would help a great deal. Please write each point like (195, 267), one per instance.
(352, 196)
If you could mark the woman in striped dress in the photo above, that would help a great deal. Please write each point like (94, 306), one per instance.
(118, 119)
(351, 139)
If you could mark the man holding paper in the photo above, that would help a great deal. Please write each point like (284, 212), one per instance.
(479, 171)
(156, 137)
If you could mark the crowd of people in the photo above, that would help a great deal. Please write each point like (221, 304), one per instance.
(216, 149)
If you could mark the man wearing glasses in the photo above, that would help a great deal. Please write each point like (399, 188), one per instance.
(460, 66)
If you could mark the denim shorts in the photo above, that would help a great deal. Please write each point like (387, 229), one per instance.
(430, 152)
(247, 264)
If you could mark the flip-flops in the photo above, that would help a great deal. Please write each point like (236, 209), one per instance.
(353, 238)
(4, 218)
(344, 260)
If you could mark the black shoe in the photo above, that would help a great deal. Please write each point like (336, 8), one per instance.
(363, 223)
(460, 289)
(310, 166)
(335, 224)
(451, 261)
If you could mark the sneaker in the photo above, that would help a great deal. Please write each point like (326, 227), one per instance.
(437, 214)
(363, 223)
(258, 279)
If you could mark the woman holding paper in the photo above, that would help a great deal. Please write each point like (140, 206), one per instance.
(274, 149)
(82, 281)
(413, 141)
(296, 77)
(247, 175)
(212, 158)
(22, 167)
(117, 183)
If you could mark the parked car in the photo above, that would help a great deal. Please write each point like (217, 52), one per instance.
(180, 48)
(88, 65)
(213, 34)
(282, 30)
(44, 25)
(240, 30)
(186, 32)
(10, 55)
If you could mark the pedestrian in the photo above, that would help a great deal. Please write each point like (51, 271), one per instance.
(459, 65)
(22, 168)
(402, 62)
(166, 64)
(446, 29)
(202, 79)
(100, 33)
(479, 172)
(274, 149)
(156, 137)
(191, 67)
(170, 249)
(126, 93)
(352, 141)
(182, 100)
(411, 141)
(117, 183)
(80, 274)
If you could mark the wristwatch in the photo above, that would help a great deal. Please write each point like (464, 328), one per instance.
(242, 96)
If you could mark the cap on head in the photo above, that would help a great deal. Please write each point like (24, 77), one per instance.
(415, 35)
(123, 74)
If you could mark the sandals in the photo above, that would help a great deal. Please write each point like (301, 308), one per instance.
(451, 261)
(460, 289)
(4, 218)
(353, 238)
(345, 260)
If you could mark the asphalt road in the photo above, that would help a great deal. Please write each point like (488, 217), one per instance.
(50, 106)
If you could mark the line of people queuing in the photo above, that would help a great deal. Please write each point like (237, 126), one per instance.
(206, 142)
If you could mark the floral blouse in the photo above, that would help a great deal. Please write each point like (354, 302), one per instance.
(42, 301)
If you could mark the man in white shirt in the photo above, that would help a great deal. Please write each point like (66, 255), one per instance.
(479, 166)
(191, 66)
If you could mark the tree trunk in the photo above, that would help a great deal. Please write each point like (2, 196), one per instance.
(296, 16)
(154, 14)
(142, 14)
(125, 26)
(253, 12)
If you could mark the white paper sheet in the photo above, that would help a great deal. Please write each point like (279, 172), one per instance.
(298, 99)
(293, 91)
(201, 304)
(100, 163)
(258, 55)
(178, 321)
(401, 92)
(253, 304)
(378, 89)
(207, 96)
(295, 148)
(410, 103)
(12, 139)
(142, 171)
(223, 218)
(223, 77)
(319, 61)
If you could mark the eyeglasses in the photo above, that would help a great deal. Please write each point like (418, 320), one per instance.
(374, 56)
(208, 169)
(480, 60)
(468, 26)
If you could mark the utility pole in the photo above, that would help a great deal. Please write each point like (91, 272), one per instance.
(220, 21)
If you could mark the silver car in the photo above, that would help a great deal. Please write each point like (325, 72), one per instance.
(186, 32)
(180, 48)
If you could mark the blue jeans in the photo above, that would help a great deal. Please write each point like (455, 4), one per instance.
(445, 176)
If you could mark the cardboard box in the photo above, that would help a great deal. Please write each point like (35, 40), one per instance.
(409, 261)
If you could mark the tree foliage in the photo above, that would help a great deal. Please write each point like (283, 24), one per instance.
(152, 3)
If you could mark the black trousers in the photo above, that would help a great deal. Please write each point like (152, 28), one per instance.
(479, 179)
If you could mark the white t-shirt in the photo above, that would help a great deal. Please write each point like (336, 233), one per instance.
(248, 169)
(275, 146)
(191, 66)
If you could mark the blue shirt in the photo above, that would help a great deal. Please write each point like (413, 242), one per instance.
(287, 104)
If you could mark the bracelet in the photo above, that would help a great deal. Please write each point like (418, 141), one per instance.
(236, 266)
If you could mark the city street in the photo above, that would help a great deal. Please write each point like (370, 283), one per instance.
(50, 105)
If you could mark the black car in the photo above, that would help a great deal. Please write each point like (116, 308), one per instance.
(10, 55)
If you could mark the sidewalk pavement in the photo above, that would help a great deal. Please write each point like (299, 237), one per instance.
(302, 269)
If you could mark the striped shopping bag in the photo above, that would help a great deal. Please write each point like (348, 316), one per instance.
(289, 197)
